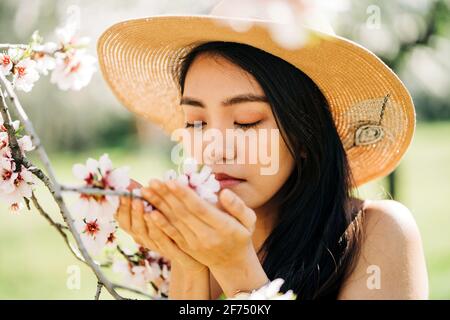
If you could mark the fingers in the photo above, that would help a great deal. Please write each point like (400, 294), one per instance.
(123, 216)
(170, 212)
(152, 245)
(123, 213)
(138, 225)
(237, 208)
(197, 206)
(165, 244)
(154, 197)
(166, 227)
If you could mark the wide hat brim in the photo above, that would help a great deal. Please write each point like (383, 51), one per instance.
(372, 109)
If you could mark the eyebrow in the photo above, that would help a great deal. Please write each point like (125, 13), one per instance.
(242, 98)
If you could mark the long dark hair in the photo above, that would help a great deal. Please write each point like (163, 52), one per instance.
(311, 246)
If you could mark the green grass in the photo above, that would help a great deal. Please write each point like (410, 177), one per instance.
(34, 260)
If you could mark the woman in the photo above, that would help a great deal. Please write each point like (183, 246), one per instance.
(301, 223)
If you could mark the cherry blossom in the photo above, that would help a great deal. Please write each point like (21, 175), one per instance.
(95, 233)
(68, 34)
(6, 63)
(74, 67)
(14, 184)
(73, 70)
(160, 266)
(15, 124)
(25, 143)
(100, 174)
(142, 267)
(203, 181)
(25, 75)
(43, 57)
(134, 275)
(94, 213)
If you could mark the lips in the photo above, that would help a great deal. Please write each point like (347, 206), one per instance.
(226, 180)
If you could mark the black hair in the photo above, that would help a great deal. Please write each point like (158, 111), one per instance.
(312, 246)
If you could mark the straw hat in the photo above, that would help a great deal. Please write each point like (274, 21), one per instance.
(372, 109)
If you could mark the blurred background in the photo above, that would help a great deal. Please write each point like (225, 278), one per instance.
(411, 36)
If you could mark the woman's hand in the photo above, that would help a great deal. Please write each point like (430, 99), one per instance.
(130, 217)
(216, 238)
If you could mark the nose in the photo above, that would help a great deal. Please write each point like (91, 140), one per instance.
(218, 148)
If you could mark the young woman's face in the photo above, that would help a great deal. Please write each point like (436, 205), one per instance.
(263, 162)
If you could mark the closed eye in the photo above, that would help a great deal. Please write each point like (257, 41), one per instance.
(247, 125)
(198, 124)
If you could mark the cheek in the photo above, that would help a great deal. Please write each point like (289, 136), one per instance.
(277, 166)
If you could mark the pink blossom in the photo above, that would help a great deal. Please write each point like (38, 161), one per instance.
(5, 64)
(144, 266)
(43, 57)
(94, 213)
(25, 75)
(73, 70)
(137, 276)
(203, 181)
(68, 35)
(96, 234)
(14, 186)
(100, 174)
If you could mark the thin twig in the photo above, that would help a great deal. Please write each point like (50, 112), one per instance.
(12, 139)
(135, 193)
(59, 227)
(99, 290)
(10, 45)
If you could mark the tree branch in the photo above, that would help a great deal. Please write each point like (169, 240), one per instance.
(10, 45)
(59, 227)
(99, 290)
(135, 193)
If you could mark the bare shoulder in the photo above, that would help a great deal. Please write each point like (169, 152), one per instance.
(392, 219)
(391, 263)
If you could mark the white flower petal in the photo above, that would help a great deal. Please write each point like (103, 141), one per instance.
(105, 164)
(189, 166)
(119, 179)
(92, 165)
(80, 171)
